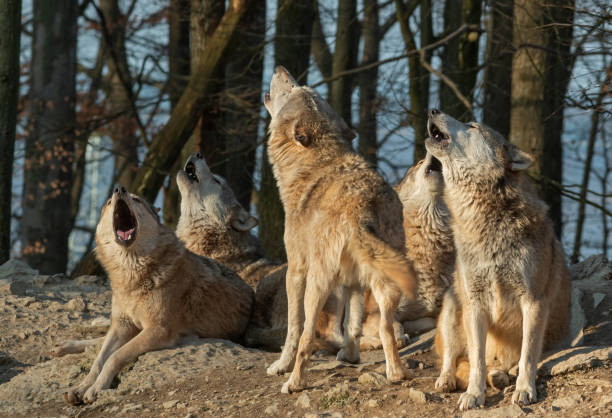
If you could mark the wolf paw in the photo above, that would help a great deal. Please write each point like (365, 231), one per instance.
(91, 395)
(277, 368)
(498, 379)
(348, 356)
(73, 397)
(289, 386)
(446, 383)
(396, 375)
(468, 400)
(524, 396)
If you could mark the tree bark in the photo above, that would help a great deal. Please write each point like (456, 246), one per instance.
(46, 222)
(10, 31)
(344, 58)
(292, 50)
(539, 83)
(498, 72)
(167, 144)
(368, 98)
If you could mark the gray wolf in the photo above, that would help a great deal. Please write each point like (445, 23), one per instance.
(429, 246)
(160, 291)
(510, 296)
(343, 226)
(214, 224)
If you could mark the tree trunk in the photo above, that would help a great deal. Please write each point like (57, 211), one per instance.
(179, 63)
(460, 59)
(539, 83)
(498, 72)
(368, 102)
(46, 222)
(167, 144)
(319, 48)
(292, 50)
(10, 31)
(344, 58)
(243, 77)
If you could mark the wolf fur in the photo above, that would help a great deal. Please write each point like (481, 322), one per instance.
(511, 292)
(343, 226)
(214, 224)
(429, 246)
(160, 291)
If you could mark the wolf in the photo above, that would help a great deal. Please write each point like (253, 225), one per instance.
(160, 291)
(343, 226)
(429, 246)
(214, 224)
(511, 292)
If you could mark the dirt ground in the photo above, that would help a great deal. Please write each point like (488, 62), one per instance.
(207, 377)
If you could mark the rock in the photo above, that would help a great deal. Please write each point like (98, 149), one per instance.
(303, 401)
(567, 401)
(576, 358)
(170, 404)
(512, 410)
(417, 396)
(15, 287)
(372, 379)
(16, 269)
(272, 409)
(595, 267)
(327, 365)
(372, 403)
(131, 407)
(578, 319)
(606, 402)
(597, 299)
(76, 304)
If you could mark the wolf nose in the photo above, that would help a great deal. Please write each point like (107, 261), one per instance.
(120, 190)
(433, 112)
(198, 155)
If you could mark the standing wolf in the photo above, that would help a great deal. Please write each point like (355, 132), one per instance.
(214, 224)
(343, 226)
(160, 291)
(429, 246)
(511, 291)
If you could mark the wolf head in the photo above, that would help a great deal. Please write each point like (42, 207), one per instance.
(472, 149)
(424, 179)
(300, 116)
(128, 224)
(207, 197)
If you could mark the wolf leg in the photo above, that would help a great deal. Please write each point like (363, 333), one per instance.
(352, 326)
(475, 325)
(387, 298)
(450, 342)
(148, 339)
(118, 334)
(314, 299)
(295, 284)
(534, 326)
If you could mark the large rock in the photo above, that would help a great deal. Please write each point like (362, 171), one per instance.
(503, 411)
(593, 268)
(576, 358)
(16, 269)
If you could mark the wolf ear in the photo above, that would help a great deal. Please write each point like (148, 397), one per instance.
(515, 159)
(241, 220)
(300, 134)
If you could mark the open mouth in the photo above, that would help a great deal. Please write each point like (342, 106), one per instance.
(435, 133)
(124, 223)
(190, 169)
(434, 166)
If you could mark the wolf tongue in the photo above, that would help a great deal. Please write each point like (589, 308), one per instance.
(125, 235)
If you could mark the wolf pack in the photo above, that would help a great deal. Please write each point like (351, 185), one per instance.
(463, 240)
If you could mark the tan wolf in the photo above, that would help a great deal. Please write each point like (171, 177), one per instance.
(511, 291)
(160, 291)
(343, 226)
(429, 246)
(214, 224)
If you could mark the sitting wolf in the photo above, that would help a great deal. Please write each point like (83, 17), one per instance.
(214, 224)
(160, 291)
(511, 292)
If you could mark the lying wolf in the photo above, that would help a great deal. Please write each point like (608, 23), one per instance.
(160, 291)
(429, 246)
(343, 226)
(214, 224)
(511, 292)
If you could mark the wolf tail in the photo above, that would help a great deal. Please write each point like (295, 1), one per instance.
(391, 262)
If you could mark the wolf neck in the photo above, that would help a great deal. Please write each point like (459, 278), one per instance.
(218, 241)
